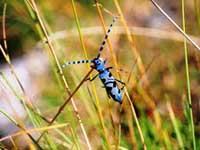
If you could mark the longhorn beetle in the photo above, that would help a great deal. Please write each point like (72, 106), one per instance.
(109, 82)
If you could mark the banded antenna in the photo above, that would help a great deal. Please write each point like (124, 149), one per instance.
(75, 62)
(106, 36)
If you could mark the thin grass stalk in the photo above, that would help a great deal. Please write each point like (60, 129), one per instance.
(93, 87)
(128, 114)
(166, 139)
(188, 78)
(174, 23)
(13, 143)
(113, 131)
(20, 127)
(21, 99)
(32, 130)
(104, 29)
(197, 11)
(52, 51)
(9, 117)
(70, 97)
(114, 58)
(175, 125)
(115, 64)
(132, 42)
(64, 144)
(69, 144)
(119, 131)
(4, 26)
(151, 104)
(139, 60)
(136, 54)
(75, 138)
(136, 120)
(7, 58)
(133, 109)
(131, 129)
(156, 115)
(64, 136)
(144, 95)
(25, 97)
(140, 31)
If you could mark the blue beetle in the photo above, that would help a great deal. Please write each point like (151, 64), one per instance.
(109, 82)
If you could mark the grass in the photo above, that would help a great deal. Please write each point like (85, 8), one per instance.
(158, 109)
(188, 81)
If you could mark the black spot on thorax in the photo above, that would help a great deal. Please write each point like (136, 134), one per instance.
(103, 80)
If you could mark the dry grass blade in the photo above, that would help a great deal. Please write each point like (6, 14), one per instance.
(27, 100)
(175, 24)
(136, 120)
(20, 99)
(69, 98)
(146, 48)
(140, 31)
(114, 60)
(34, 130)
(14, 145)
(4, 26)
(173, 119)
(104, 29)
(52, 51)
(21, 126)
(7, 58)
(92, 84)
(132, 42)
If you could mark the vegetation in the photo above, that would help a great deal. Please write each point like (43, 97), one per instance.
(153, 48)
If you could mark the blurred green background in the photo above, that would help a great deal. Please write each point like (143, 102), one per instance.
(159, 46)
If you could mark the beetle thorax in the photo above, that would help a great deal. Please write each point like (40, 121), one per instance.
(99, 64)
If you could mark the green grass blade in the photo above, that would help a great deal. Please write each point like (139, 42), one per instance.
(188, 78)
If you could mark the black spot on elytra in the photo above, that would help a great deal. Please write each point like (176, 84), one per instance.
(108, 88)
(110, 75)
(119, 91)
(114, 84)
(113, 96)
(74, 62)
(78, 62)
(103, 42)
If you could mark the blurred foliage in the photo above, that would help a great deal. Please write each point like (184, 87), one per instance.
(163, 61)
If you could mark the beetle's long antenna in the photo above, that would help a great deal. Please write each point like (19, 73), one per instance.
(75, 62)
(106, 36)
